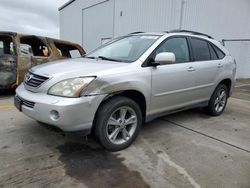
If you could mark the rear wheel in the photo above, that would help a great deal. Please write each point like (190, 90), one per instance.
(218, 101)
(118, 123)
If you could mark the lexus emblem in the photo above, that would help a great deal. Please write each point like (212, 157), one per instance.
(28, 77)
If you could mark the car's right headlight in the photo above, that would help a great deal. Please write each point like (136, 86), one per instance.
(71, 87)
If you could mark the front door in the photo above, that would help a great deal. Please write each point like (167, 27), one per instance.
(173, 84)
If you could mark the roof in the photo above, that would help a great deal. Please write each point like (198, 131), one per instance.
(10, 33)
(7, 33)
(66, 4)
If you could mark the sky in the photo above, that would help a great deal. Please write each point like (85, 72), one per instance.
(31, 16)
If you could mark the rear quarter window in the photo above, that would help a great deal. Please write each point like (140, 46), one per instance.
(219, 52)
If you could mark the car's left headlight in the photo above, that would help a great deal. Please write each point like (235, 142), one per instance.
(71, 87)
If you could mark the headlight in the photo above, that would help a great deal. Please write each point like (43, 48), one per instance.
(70, 87)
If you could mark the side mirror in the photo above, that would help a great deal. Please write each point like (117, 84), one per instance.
(164, 58)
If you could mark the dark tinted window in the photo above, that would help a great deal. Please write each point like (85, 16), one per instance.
(178, 46)
(219, 53)
(200, 49)
(213, 53)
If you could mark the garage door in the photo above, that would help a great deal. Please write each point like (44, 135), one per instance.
(97, 24)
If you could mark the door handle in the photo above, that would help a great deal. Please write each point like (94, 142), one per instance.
(191, 69)
(220, 65)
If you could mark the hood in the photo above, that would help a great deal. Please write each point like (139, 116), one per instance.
(76, 67)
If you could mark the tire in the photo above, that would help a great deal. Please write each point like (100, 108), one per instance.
(218, 101)
(118, 123)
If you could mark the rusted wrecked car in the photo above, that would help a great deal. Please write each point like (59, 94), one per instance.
(18, 53)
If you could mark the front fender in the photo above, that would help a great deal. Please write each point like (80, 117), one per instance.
(138, 81)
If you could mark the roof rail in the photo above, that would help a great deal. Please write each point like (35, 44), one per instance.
(137, 32)
(192, 32)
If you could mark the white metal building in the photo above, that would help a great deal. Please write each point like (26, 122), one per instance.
(93, 22)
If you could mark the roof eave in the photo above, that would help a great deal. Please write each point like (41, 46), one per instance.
(65, 5)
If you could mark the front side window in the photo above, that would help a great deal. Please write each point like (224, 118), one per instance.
(200, 49)
(178, 46)
(126, 49)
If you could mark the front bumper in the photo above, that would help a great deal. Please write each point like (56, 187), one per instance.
(73, 114)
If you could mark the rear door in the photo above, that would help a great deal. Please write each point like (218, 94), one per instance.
(207, 65)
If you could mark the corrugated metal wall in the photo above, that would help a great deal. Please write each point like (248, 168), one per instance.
(146, 15)
(71, 20)
(220, 18)
(98, 24)
(223, 19)
(241, 52)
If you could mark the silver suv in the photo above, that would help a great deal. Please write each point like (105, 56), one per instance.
(132, 79)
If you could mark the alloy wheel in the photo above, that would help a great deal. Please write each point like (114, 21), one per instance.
(220, 100)
(121, 125)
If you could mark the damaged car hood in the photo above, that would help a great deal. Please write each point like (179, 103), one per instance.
(76, 67)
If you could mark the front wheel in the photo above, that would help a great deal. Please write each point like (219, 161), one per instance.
(118, 123)
(218, 101)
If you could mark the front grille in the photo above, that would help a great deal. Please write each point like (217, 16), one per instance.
(34, 80)
(25, 102)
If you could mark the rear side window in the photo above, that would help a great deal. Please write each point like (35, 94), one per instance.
(200, 49)
(212, 52)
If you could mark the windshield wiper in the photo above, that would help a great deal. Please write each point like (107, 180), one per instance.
(106, 58)
(102, 58)
(90, 57)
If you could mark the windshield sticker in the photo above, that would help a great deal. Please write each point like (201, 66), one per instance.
(149, 37)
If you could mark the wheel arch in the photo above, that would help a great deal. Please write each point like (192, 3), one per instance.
(134, 95)
(228, 83)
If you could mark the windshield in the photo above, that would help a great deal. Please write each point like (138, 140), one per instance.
(125, 49)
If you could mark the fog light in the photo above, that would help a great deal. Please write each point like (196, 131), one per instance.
(54, 115)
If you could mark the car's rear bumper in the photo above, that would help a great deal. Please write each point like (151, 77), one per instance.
(68, 114)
